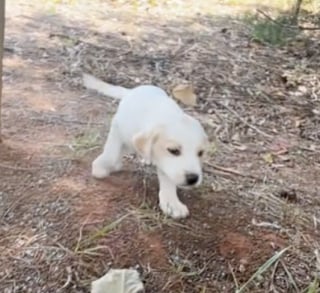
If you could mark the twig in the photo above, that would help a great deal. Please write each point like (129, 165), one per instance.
(5, 276)
(2, 33)
(272, 286)
(317, 254)
(297, 11)
(78, 40)
(275, 21)
(231, 171)
(181, 51)
(65, 249)
(244, 121)
(286, 25)
(265, 224)
(69, 279)
(293, 283)
(233, 276)
(17, 168)
(61, 120)
(80, 235)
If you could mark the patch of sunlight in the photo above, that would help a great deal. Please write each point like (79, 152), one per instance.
(278, 4)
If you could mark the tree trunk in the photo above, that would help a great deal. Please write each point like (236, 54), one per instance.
(296, 12)
(2, 23)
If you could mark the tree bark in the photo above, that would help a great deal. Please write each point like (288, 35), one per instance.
(2, 24)
(296, 12)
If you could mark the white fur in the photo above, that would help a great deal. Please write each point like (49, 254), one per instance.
(149, 122)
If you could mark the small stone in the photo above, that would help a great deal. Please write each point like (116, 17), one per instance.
(242, 268)
(289, 195)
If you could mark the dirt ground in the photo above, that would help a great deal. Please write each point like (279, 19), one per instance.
(60, 229)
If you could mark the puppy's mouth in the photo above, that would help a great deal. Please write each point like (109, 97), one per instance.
(187, 186)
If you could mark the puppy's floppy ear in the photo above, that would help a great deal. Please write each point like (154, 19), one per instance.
(143, 143)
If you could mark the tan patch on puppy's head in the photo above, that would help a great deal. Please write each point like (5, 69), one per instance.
(176, 150)
(143, 143)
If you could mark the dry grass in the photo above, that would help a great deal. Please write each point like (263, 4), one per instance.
(259, 104)
(86, 142)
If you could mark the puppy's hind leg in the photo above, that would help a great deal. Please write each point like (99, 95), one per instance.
(110, 159)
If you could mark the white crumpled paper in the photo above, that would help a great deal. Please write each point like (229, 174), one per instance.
(118, 281)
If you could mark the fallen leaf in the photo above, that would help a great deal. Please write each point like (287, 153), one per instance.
(185, 94)
(268, 158)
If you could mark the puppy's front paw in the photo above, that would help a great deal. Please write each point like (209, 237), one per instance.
(117, 167)
(175, 209)
(99, 171)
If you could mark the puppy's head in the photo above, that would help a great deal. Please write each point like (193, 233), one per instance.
(177, 150)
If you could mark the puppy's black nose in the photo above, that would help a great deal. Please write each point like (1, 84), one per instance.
(192, 178)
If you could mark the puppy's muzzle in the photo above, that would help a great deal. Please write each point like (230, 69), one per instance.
(192, 179)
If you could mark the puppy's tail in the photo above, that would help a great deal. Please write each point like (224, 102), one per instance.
(113, 91)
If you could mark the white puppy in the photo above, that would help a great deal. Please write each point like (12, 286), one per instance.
(152, 124)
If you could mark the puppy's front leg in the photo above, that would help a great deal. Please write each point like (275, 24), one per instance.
(168, 198)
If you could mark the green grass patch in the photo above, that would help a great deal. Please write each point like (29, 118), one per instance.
(85, 142)
(275, 33)
(313, 288)
(84, 245)
(267, 265)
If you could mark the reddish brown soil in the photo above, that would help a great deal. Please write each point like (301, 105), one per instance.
(52, 213)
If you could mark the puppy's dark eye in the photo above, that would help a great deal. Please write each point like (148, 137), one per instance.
(175, 152)
(200, 153)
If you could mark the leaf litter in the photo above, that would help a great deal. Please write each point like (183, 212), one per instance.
(248, 96)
